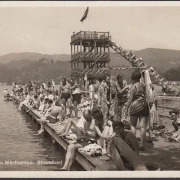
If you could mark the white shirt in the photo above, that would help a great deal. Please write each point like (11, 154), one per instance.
(91, 90)
(51, 97)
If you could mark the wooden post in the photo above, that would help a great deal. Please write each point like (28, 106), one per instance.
(85, 79)
(95, 50)
(108, 51)
(81, 46)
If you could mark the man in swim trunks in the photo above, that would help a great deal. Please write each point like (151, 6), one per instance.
(64, 91)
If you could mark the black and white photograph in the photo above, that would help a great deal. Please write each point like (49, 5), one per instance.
(88, 87)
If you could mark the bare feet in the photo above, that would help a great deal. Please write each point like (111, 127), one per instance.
(40, 131)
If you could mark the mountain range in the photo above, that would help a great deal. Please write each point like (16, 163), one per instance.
(161, 59)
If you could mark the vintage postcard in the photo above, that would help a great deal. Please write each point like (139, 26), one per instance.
(89, 86)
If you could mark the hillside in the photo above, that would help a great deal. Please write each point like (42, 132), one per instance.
(151, 56)
(161, 59)
(24, 66)
(32, 56)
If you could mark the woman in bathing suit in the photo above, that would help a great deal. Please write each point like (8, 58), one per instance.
(139, 107)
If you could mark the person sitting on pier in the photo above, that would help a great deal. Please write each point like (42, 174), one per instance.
(25, 102)
(124, 149)
(44, 105)
(176, 124)
(175, 117)
(53, 115)
(81, 124)
(85, 134)
(102, 132)
(36, 103)
(50, 95)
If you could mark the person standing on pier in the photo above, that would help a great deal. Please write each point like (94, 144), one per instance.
(138, 107)
(154, 97)
(122, 90)
(76, 96)
(94, 92)
(102, 99)
(111, 95)
(64, 91)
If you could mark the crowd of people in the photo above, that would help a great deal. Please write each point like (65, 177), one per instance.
(105, 106)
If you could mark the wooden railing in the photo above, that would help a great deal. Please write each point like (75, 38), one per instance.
(90, 35)
(90, 56)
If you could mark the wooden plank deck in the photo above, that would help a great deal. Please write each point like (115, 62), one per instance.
(88, 163)
(161, 153)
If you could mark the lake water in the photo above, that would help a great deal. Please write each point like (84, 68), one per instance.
(19, 142)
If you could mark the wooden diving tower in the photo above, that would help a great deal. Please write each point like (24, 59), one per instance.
(90, 55)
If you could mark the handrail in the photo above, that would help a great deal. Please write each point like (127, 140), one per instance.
(163, 107)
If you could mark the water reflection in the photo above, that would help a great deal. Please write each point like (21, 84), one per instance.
(20, 142)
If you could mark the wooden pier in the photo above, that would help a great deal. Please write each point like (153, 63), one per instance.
(159, 153)
(87, 162)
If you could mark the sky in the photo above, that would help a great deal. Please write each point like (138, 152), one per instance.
(48, 30)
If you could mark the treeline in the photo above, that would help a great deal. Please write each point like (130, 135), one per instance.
(43, 70)
(172, 74)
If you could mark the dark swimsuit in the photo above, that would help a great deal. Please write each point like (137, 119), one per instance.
(139, 105)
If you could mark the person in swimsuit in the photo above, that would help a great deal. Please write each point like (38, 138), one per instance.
(102, 99)
(124, 149)
(85, 132)
(111, 96)
(25, 102)
(81, 124)
(139, 107)
(53, 115)
(64, 91)
(94, 92)
(76, 96)
(102, 132)
(122, 90)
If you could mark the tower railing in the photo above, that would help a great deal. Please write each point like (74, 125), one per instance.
(90, 35)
